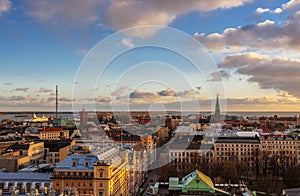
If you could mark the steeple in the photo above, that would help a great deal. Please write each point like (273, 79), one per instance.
(217, 108)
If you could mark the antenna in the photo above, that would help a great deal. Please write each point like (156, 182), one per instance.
(56, 104)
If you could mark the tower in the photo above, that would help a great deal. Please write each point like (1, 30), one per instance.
(217, 108)
(216, 117)
(83, 117)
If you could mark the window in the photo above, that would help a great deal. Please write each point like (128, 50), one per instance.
(74, 163)
(86, 163)
(101, 174)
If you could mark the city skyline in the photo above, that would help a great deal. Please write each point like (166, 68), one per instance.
(254, 44)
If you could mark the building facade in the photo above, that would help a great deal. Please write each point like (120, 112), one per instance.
(241, 150)
(102, 175)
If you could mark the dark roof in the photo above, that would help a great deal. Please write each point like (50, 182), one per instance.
(19, 146)
(237, 140)
(55, 145)
(196, 146)
(128, 138)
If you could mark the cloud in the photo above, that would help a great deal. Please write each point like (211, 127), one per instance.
(277, 11)
(243, 59)
(218, 76)
(188, 94)
(166, 92)
(284, 94)
(262, 10)
(8, 83)
(44, 90)
(147, 96)
(291, 5)
(118, 15)
(128, 42)
(5, 6)
(119, 91)
(63, 12)
(280, 74)
(103, 100)
(25, 89)
(263, 35)
(125, 14)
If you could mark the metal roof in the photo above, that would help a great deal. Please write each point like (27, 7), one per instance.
(14, 176)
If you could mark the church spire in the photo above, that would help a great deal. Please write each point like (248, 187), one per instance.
(217, 108)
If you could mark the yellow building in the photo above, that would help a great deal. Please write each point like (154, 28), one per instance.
(53, 134)
(34, 150)
(285, 149)
(243, 150)
(102, 175)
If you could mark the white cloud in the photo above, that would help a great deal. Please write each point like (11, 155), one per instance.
(292, 4)
(128, 42)
(264, 35)
(262, 10)
(125, 14)
(5, 6)
(277, 11)
(119, 15)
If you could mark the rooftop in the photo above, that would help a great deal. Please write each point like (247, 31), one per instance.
(9, 176)
(80, 160)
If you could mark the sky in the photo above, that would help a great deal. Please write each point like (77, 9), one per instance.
(150, 55)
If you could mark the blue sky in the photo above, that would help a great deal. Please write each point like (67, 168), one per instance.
(253, 46)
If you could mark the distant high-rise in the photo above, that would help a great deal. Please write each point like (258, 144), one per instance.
(83, 117)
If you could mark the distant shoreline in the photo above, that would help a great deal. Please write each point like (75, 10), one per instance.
(69, 112)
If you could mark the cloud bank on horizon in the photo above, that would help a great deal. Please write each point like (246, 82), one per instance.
(256, 45)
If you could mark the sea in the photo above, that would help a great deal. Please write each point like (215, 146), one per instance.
(20, 116)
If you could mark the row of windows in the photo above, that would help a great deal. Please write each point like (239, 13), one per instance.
(233, 158)
(54, 155)
(91, 174)
(281, 146)
(191, 154)
(234, 149)
(281, 142)
(233, 153)
(238, 145)
(78, 184)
